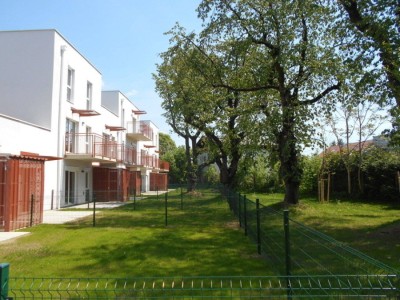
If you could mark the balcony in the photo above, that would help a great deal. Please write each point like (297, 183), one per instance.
(93, 147)
(139, 131)
(164, 166)
(84, 146)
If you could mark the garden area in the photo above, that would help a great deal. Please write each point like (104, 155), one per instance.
(196, 236)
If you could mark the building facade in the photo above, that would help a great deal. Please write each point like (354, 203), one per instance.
(52, 106)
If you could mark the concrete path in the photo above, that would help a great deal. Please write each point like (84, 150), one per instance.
(49, 217)
(62, 216)
(6, 236)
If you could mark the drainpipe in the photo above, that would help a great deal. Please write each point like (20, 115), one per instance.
(60, 130)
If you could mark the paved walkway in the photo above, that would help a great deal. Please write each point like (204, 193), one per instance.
(62, 216)
(6, 236)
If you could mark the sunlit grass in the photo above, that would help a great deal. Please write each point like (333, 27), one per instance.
(201, 240)
(372, 228)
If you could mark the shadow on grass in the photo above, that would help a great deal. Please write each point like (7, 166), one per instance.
(169, 251)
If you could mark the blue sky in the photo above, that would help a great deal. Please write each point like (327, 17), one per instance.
(121, 38)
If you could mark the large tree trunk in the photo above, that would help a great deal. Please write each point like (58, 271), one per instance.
(290, 170)
(227, 173)
(291, 192)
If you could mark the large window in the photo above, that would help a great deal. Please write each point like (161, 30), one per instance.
(70, 84)
(88, 140)
(70, 130)
(89, 91)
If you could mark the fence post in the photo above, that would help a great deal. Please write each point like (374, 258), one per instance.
(94, 210)
(287, 252)
(32, 200)
(134, 199)
(229, 198)
(181, 199)
(4, 277)
(258, 226)
(245, 214)
(166, 209)
(52, 199)
(239, 211)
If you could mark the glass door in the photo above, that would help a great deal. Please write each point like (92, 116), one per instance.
(69, 196)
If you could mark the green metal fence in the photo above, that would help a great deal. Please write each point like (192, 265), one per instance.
(301, 287)
(296, 249)
(310, 264)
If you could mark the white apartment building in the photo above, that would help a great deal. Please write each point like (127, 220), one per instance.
(52, 105)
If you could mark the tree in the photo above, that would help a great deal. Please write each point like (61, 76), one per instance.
(167, 144)
(288, 65)
(354, 122)
(184, 83)
(378, 22)
(173, 83)
(174, 156)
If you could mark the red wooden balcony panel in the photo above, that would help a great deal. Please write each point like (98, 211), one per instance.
(164, 165)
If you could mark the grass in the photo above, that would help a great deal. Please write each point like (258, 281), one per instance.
(203, 239)
(372, 228)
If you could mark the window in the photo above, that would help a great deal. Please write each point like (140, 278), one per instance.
(70, 130)
(123, 117)
(89, 90)
(70, 84)
(88, 140)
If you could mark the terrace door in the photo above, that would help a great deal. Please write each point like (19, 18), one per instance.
(70, 187)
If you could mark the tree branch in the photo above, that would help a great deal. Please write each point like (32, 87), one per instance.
(321, 95)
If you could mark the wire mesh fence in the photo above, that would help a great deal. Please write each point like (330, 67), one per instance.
(306, 287)
(296, 249)
(308, 264)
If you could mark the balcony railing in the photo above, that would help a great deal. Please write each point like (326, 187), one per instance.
(93, 146)
(164, 166)
(140, 130)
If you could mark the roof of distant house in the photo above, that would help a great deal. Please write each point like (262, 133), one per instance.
(377, 141)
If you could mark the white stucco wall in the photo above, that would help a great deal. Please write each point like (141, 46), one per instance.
(26, 60)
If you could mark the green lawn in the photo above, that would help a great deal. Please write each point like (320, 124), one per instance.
(372, 228)
(203, 239)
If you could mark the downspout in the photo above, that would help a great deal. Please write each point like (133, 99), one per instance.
(61, 130)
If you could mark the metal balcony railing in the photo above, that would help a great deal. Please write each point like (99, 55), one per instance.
(82, 143)
(87, 146)
(140, 130)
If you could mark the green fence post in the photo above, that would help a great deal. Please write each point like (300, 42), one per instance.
(134, 199)
(239, 211)
(94, 210)
(4, 277)
(287, 252)
(245, 214)
(181, 199)
(166, 209)
(258, 226)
